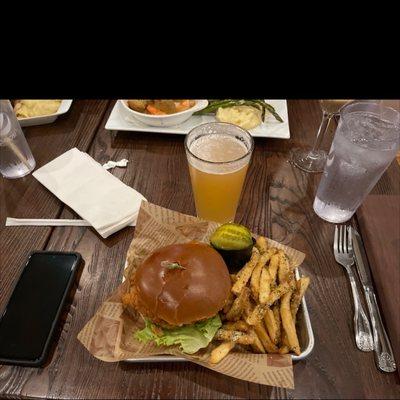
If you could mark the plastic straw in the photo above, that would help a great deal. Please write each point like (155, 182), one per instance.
(9, 143)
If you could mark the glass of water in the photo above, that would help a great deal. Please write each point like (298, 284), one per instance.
(365, 143)
(16, 159)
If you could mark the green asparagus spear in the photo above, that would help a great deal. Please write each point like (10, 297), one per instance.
(261, 105)
(270, 109)
(214, 105)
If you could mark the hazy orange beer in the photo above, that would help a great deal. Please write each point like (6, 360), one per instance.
(218, 154)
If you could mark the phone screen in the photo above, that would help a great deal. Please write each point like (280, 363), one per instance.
(31, 312)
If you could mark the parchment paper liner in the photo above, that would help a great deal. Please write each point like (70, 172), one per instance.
(108, 336)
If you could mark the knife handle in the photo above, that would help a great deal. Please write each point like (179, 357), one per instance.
(384, 358)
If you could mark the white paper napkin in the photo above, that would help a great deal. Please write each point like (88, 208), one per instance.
(95, 194)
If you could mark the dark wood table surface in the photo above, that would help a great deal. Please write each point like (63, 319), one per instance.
(277, 202)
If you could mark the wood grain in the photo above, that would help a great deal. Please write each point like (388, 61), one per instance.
(277, 201)
(27, 198)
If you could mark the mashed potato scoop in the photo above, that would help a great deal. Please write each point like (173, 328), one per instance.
(246, 117)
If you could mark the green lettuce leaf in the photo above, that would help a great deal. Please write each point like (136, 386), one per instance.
(146, 333)
(190, 338)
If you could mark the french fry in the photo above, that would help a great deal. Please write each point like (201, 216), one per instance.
(284, 268)
(285, 341)
(255, 277)
(259, 310)
(265, 339)
(288, 323)
(286, 271)
(272, 328)
(261, 244)
(247, 307)
(273, 267)
(234, 336)
(278, 292)
(278, 322)
(265, 286)
(245, 273)
(221, 352)
(236, 310)
(301, 287)
(257, 345)
(283, 349)
(236, 326)
(229, 302)
(256, 274)
(256, 315)
(231, 296)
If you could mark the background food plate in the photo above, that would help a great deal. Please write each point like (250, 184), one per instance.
(119, 120)
(304, 331)
(46, 119)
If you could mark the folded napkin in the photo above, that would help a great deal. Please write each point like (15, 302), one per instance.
(379, 219)
(95, 194)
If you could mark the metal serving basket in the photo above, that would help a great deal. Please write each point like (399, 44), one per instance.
(304, 329)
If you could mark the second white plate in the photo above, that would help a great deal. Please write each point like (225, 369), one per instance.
(46, 119)
(120, 121)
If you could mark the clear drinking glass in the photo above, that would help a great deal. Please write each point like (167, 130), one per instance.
(16, 159)
(218, 154)
(314, 159)
(365, 143)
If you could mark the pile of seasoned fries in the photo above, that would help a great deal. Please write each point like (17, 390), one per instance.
(260, 313)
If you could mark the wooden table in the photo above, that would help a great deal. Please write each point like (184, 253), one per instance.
(277, 202)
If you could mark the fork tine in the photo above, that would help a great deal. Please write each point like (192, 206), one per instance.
(344, 239)
(336, 239)
(350, 238)
(341, 239)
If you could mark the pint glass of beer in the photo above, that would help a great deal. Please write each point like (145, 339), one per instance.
(218, 154)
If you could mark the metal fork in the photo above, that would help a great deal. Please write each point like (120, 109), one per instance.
(343, 250)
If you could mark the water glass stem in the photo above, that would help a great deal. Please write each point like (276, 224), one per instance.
(326, 118)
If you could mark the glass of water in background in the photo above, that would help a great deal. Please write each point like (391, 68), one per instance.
(16, 159)
(365, 143)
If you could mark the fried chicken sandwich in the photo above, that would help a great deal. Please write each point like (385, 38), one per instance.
(179, 290)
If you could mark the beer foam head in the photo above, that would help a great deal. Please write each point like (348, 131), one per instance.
(219, 151)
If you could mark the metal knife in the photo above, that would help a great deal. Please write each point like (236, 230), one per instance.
(384, 358)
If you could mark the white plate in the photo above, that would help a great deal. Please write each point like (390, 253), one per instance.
(46, 119)
(119, 120)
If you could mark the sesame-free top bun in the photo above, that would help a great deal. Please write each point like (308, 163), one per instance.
(178, 296)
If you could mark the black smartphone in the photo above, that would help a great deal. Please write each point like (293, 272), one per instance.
(29, 320)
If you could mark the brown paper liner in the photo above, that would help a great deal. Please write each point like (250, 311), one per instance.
(108, 336)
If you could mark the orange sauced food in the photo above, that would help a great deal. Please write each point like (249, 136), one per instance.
(160, 107)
